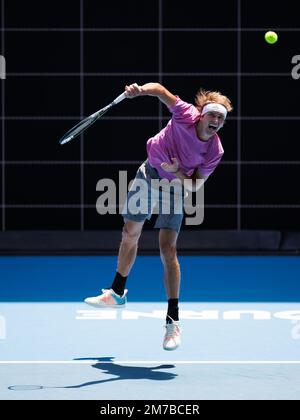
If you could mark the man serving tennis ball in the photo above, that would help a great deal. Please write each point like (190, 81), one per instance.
(187, 148)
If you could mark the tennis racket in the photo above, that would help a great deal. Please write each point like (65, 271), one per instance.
(88, 121)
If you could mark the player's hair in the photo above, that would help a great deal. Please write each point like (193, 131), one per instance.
(204, 97)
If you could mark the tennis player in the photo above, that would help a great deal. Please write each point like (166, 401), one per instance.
(188, 148)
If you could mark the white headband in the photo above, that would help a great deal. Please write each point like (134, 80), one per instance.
(215, 107)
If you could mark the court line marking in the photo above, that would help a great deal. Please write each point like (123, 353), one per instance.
(179, 362)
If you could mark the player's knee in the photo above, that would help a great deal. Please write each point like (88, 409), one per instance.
(168, 251)
(131, 233)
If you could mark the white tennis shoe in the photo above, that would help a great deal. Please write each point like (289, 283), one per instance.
(108, 299)
(172, 336)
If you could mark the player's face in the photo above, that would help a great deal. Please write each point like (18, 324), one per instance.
(212, 122)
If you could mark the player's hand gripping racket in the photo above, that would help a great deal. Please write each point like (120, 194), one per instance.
(88, 121)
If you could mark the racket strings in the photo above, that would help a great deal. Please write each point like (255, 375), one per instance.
(84, 124)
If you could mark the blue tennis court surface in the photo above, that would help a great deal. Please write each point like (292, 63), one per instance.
(240, 320)
(204, 279)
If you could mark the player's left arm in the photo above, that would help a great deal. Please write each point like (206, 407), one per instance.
(175, 170)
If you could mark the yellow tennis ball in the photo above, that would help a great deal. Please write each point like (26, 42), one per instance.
(271, 37)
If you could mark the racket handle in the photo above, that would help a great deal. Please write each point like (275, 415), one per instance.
(119, 98)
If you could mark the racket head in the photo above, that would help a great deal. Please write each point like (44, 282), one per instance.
(25, 387)
(82, 126)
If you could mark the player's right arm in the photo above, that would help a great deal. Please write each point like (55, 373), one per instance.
(151, 89)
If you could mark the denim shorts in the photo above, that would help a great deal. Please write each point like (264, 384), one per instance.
(145, 199)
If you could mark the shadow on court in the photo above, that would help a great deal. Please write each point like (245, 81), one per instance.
(118, 371)
(126, 372)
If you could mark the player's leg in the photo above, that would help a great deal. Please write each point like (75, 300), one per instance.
(169, 222)
(115, 295)
(168, 254)
(127, 254)
(128, 248)
(134, 218)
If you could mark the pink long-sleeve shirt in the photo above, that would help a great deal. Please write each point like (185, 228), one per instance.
(179, 139)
